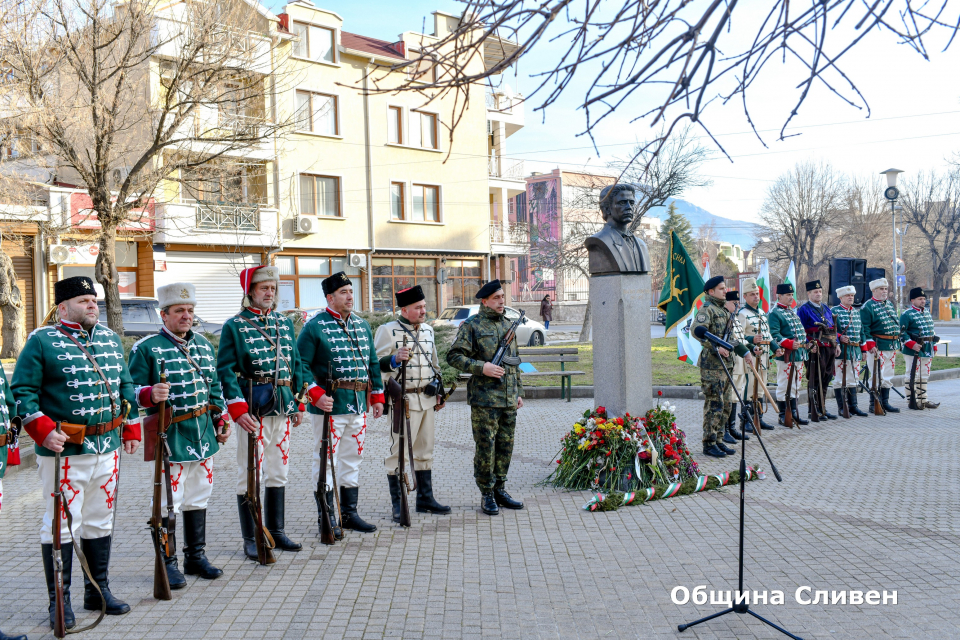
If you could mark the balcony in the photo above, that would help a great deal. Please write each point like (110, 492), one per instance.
(500, 102)
(240, 125)
(227, 216)
(504, 168)
(509, 237)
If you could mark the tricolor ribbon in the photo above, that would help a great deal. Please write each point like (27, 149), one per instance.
(671, 490)
(648, 494)
(701, 483)
(628, 498)
(749, 473)
(594, 502)
(723, 478)
(761, 475)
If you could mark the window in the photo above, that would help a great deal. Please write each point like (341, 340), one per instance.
(395, 125)
(426, 203)
(315, 43)
(225, 182)
(396, 274)
(305, 275)
(463, 281)
(397, 201)
(317, 113)
(319, 195)
(423, 130)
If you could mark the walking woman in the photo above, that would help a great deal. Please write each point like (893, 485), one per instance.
(546, 311)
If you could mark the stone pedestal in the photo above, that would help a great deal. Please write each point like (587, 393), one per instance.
(622, 375)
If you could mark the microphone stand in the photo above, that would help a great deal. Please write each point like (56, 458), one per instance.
(742, 607)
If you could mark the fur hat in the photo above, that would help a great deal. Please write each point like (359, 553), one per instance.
(750, 286)
(917, 292)
(879, 282)
(177, 293)
(814, 284)
(846, 291)
(73, 288)
(334, 283)
(786, 287)
(410, 296)
(733, 296)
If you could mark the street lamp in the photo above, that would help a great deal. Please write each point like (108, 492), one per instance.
(891, 193)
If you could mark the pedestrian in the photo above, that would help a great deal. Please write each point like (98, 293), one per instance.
(337, 344)
(714, 383)
(494, 394)
(197, 415)
(756, 330)
(882, 328)
(852, 342)
(546, 311)
(820, 328)
(919, 341)
(410, 339)
(260, 369)
(73, 393)
(789, 337)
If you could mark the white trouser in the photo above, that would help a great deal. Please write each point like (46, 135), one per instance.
(347, 455)
(89, 486)
(923, 374)
(763, 359)
(854, 369)
(273, 447)
(887, 359)
(192, 484)
(1, 494)
(422, 437)
(782, 380)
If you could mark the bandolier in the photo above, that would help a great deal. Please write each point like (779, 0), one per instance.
(756, 331)
(789, 339)
(852, 344)
(882, 328)
(919, 341)
(820, 329)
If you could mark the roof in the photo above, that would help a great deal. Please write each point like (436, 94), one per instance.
(371, 45)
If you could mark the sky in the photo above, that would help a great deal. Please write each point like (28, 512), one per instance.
(913, 125)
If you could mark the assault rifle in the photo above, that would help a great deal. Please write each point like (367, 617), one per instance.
(160, 533)
(501, 356)
(264, 540)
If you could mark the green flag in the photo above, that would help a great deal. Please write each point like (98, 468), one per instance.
(681, 286)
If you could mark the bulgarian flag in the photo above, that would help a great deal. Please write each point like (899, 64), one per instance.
(791, 278)
(763, 281)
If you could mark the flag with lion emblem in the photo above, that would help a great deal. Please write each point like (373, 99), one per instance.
(682, 286)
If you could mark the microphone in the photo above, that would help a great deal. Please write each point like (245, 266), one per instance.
(702, 334)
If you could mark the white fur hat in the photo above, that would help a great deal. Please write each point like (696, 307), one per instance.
(265, 273)
(846, 291)
(177, 293)
(879, 282)
(750, 286)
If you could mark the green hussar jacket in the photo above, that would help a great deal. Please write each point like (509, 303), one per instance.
(714, 316)
(477, 342)
(915, 324)
(788, 333)
(848, 324)
(194, 438)
(8, 409)
(54, 382)
(245, 352)
(341, 348)
(880, 319)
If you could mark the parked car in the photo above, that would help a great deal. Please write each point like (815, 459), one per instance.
(530, 333)
(141, 317)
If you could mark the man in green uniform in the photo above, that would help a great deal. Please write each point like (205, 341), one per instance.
(337, 344)
(919, 341)
(73, 375)
(260, 370)
(714, 383)
(882, 328)
(789, 336)
(851, 338)
(494, 394)
(195, 408)
(9, 447)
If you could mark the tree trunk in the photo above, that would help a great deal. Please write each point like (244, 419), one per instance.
(585, 327)
(106, 274)
(11, 308)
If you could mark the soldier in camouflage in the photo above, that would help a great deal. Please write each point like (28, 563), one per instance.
(789, 337)
(494, 394)
(713, 380)
(882, 328)
(919, 341)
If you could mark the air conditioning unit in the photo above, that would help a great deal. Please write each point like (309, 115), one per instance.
(358, 260)
(304, 225)
(58, 254)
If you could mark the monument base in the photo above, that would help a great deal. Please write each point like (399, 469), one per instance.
(622, 368)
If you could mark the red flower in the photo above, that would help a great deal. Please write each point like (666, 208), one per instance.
(613, 468)
(659, 392)
(601, 409)
(558, 462)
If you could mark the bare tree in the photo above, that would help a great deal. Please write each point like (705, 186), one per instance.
(862, 225)
(126, 100)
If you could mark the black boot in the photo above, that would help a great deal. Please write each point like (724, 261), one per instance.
(763, 425)
(273, 504)
(174, 576)
(66, 557)
(823, 410)
(348, 511)
(4, 636)
(247, 529)
(394, 483)
(503, 498)
(731, 420)
(426, 503)
(732, 427)
(746, 418)
(782, 409)
(885, 401)
(840, 394)
(195, 561)
(796, 412)
(488, 504)
(711, 449)
(852, 398)
(97, 551)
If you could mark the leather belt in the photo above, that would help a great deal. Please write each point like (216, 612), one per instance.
(352, 385)
(77, 432)
(196, 413)
(4, 440)
(259, 381)
(850, 344)
(930, 339)
(417, 389)
(883, 337)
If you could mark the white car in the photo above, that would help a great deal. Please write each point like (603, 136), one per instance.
(530, 332)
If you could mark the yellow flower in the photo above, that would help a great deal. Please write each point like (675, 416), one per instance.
(578, 428)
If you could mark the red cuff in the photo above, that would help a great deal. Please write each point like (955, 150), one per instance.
(315, 394)
(237, 409)
(864, 348)
(301, 408)
(40, 428)
(934, 348)
(910, 344)
(376, 398)
(131, 431)
(870, 345)
(144, 398)
(787, 344)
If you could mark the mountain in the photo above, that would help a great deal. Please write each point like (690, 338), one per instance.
(728, 230)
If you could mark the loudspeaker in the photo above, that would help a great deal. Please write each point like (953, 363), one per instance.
(848, 271)
(875, 274)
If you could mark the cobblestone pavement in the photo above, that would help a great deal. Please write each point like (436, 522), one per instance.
(868, 503)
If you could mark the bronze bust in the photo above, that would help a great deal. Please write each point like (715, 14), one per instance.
(614, 249)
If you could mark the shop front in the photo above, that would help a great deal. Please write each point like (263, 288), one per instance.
(301, 276)
(389, 274)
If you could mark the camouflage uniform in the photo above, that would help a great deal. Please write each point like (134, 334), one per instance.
(713, 381)
(493, 402)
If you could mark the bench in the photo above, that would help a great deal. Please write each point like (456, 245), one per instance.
(561, 355)
(946, 347)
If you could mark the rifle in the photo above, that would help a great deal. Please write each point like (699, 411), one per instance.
(501, 354)
(845, 407)
(161, 542)
(813, 371)
(875, 391)
(401, 424)
(788, 410)
(913, 382)
(59, 626)
(264, 540)
(326, 529)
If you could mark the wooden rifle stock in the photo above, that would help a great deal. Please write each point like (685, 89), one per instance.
(846, 401)
(913, 382)
(59, 615)
(262, 537)
(400, 417)
(788, 404)
(875, 392)
(159, 533)
(326, 529)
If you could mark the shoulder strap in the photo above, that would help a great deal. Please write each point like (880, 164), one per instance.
(190, 360)
(275, 345)
(418, 348)
(96, 367)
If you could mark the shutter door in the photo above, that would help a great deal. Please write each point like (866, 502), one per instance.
(216, 277)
